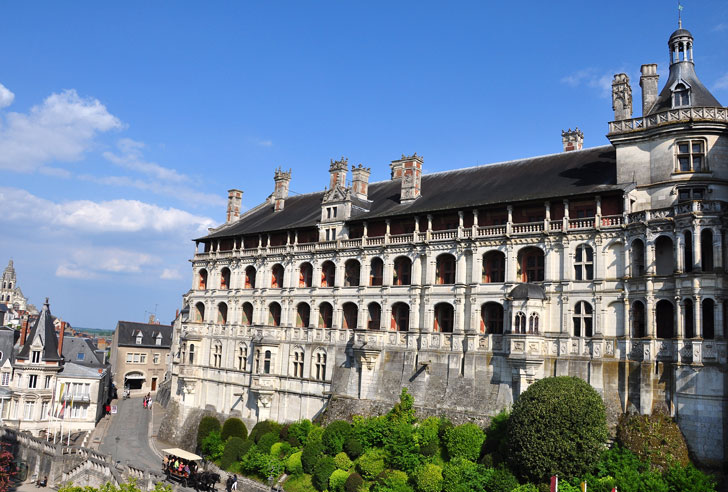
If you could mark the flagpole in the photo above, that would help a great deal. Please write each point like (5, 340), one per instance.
(70, 414)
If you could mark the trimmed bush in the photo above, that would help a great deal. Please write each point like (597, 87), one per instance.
(429, 478)
(353, 482)
(337, 480)
(334, 436)
(234, 427)
(402, 449)
(264, 427)
(558, 426)
(247, 444)
(371, 463)
(496, 437)
(655, 439)
(311, 454)
(212, 446)
(353, 447)
(322, 471)
(460, 475)
(393, 481)
(294, 465)
(232, 453)
(464, 441)
(267, 441)
(207, 424)
(298, 432)
(502, 480)
(342, 461)
(689, 479)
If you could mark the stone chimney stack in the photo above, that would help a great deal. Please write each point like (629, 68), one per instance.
(572, 139)
(337, 171)
(649, 84)
(409, 170)
(60, 339)
(360, 181)
(621, 97)
(23, 330)
(235, 198)
(283, 180)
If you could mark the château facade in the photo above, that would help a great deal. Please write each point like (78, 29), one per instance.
(466, 286)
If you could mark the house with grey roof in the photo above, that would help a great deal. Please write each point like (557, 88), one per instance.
(140, 355)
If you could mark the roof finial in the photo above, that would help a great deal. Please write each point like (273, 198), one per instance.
(679, 14)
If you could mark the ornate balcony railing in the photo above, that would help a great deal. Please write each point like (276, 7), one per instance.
(668, 117)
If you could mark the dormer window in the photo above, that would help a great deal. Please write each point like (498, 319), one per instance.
(36, 357)
(680, 96)
(139, 338)
(691, 156)
(159, 339)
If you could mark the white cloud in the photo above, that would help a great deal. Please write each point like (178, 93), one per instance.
(62, 128)
(261, 142)
(720, 27)
(92, 262)
(6, 97)
(170, 274)
(592, 78)
(67, 271)
(721, 83)
(131, 158)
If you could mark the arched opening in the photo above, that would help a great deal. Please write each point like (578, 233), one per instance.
(326, 315)
(664, 314)
(250, 277)
(374, 316)
(533, 324)
(222, 311)
(202, 279)
(688, 251)
(400, 317)
(328, 274)
(583, 263)
(274, 314)
(192, 353)
(134, 380)
(303, 315)
(681, 97)
(519, 322)
(582, 319)
(305, 275)
(664, 256)
(276, 277)
(491, 318)
(225, 278)
(708, 319)
(638, 319)
(638, 258)
(376, 272)
(494, 267)
(247, 316)
(351, 273)
(615, 312)
(689, 318)
(706, 250)
(402, 271)
(445, 269)
(531, 264)
(351, 315)
(444, 315)
(199, 312)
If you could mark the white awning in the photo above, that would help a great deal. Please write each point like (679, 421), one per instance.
(181, 453)
(135, 376)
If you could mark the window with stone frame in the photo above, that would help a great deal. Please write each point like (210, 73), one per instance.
(276, 281)
(328, 274)
(531, 265)
(36, 357)
(305, 275)
(320, 366)
(48, 380)
(217, 354)
(690, 156)
(250, 277)
(202, 279)
(491, 318)
(247, 314)
(401, 274)
(400, 317)
(376, 272)
(351, 273)
(680, 96)
(298, 363)
(583, 320)
(156, 358)
(274, 314)
(5, 378)
(326, 315)
(494, 267)
(374, 316)
(267, 362)
(192, 353)
(533, 324)
(32, 381)
(242, 357)
(445, 269)
(225, 278)
(584, 263)
(519, 323)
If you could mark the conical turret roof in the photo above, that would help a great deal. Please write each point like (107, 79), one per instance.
(46, 333)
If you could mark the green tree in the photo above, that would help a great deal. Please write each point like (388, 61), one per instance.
(689, 479)
(232, 452)
(334, 436)
(311, 454)
(371, 463)
(461, 475)
(464, 441)
(234, 427)
(558, 426)
(496, 437)
(337, 480)
(404, 410)
(393, 481)
(353, 447)
(322, 472)
(353, 482)
(264, 427)
(212, 446)
(298, 432)
(342, 461)
(294, 465)
(429, 478)
(207, 424)
(402, 449)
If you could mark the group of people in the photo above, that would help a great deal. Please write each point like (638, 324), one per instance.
(231, 483)
(148, 401)
(179, 466)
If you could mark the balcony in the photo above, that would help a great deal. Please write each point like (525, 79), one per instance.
(670, 116)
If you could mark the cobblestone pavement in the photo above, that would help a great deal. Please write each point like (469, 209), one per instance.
(131, 426)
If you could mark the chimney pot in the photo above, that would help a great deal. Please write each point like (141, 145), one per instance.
(621, 97)
(280, 193)
(337, 173)
(572, 139)
(409, 169)
(235, 198)
(360, 181)
(649, 83)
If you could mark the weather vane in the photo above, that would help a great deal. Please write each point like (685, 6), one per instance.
(679, 14)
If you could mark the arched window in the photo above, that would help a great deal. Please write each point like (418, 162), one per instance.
(217, 354)
(519, 322)
(376, 272)
(445, 269)
(664, 313)
(225, 278)
(638, 320)
(303, 315)
(192, 353)
(202, 279)
(247, 316)
(638, 258)
(583, 319)
(402, 271)
(533, 324)
(374, 316)
(664, 256)
(688, 318)
(351, 273)
(494, 267)
(400, 317)
(708, 319)
(266, 362)
(351, 314)
(274, 314)
(222, 313)
(242, 357)
(530, 263)
(199, 312)
(276, 279)
(319, 361)
(443, 317)
(583, 263)
(250, 277)
(326, 315)
(305, 275)
(297, 361)
(328, 274)
(706, 250)
(491, 318)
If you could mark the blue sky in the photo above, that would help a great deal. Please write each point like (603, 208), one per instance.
(122, 126)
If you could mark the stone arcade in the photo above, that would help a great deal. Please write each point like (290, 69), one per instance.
(466, 286)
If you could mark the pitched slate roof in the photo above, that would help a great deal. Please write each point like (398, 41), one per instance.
(700, 96)
(127, 334)
(72, 346)
(582, 172)
(44, 330)
(76, 370)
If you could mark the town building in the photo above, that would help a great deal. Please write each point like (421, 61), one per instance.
(140, 355)
(466, 286)
(10, 293)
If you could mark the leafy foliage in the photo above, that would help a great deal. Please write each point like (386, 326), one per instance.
(264, 427)
(353, 447)
(337, 480)
(353, 482)
(429, 478)
(404, 410)
(234, 427)
(267, 441)
(558, 426)
(655, 439)
(461, 475)
(402, 449)
(688, 479)
(342, 461)
(501, 480)
(322, 471)
(281, 449)
(464, 441)
(428, 436)
(232, 452)
(293, 464)
(311, 454)
(334, 436)
(207, 424)
(371, 463)
(496, 437)
(255, 462)
(394, 481)
(372, 431)
(130, 486)
(213, 446)
(7, 467)
(298, 432)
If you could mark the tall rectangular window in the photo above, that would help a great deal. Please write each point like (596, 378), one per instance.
(156, 358)
(47, 382)
(29, 410)
(691, 156)
(6, 379)
(36, 356)
(32, 381)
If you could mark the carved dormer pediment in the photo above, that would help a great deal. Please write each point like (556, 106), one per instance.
(337, 194)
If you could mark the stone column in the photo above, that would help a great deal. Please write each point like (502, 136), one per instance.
(627, 318)
(698, 316)
(511, 263)
(429, 319)
(336, 321)
(339, 272)
(417, 262)
(415, 324)
(680, 253)
(650, 317)
(387, 269)
(679, 325)
(314, 319)
(316, 280)
(460, 268)
(386, 323)
(650, 266)
(476, 270)
(718, 315)
(697, 253)
(717, 249)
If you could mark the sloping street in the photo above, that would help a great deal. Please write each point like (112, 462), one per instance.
(131, 426)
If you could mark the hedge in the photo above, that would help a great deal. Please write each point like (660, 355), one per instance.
(234, 427)
(322, 471)
(232, 453)
(207, 424)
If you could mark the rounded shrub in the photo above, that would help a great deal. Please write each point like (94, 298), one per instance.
(264, 427)
(293, 464)
(232, 452)
(234, 427)
(267, 441)
(353, 447)
(298, 432)
(311, 454)
(371, 463)
(353, 482)
(655, 439)
(429, 478)
(558, 426)
(322, 472)
(247, 444)
(334, 436)
(501, 480)
(464, 441)
(393, 481)
(342, 461)
(460, 474)
(207, 424)
(337, 480)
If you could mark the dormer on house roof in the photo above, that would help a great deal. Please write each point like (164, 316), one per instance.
(42, 338)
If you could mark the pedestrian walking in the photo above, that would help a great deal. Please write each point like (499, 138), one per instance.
(229, 483)
(144, 403)
(235, 483)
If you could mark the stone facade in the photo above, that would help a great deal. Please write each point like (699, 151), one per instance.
(140, 356)
(610, 269)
